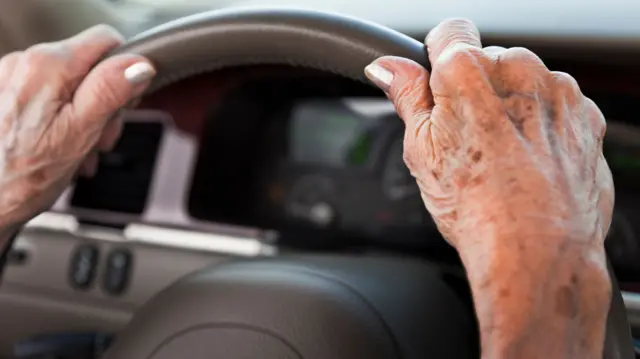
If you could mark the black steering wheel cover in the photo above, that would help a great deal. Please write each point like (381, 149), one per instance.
(324, 41)
(214, 40)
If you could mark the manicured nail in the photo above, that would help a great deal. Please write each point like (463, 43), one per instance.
(139, 73)
(380, 76)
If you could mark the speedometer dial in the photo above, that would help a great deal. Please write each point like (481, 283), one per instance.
(310, 199)
(397, 181)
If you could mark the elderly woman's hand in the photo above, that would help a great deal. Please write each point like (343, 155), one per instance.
(58, 103)
(508, 157)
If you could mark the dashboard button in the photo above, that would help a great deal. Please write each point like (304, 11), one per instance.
(82, 267)
(118, 271)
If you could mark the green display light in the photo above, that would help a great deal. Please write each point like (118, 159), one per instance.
(360, 150)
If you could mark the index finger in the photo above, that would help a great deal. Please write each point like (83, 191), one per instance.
(90, 46)
(449, 34)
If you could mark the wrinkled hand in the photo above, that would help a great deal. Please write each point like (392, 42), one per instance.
(496, 139)
(508, 157)
(58, 103)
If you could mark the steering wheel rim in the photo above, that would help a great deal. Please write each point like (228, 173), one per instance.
(219, 39)
(311, 39)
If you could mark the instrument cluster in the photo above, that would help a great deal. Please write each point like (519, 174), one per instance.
(311, 157)
(338, 165)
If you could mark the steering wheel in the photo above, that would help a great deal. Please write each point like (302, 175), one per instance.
(328, 42)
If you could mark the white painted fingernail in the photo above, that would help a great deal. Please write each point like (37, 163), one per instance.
(380, 76)
(139, 72)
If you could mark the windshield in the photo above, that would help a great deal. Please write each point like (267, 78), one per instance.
(604, 18)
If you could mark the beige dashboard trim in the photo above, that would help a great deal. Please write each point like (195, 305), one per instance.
(185, 239)
(197, 240)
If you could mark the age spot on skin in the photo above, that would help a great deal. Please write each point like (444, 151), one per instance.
(488, 126)
(39, 176)
(462, 179)
(504, 293)
(574, 279)
(551, 113)
(477, 180)
(476, 156)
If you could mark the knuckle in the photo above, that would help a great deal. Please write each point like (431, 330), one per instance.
(8, 62)
(46, 50)
(48, 55)
(564, 81)
(452, 26)
(459, 55)
(520, 70)
(494, 50)
(107, 32)
(523, 56)
(521, 53)
(459, 23)
(567, 88)
(10, 57)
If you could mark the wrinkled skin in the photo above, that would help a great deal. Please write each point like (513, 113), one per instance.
(508, 157)
(58, 106)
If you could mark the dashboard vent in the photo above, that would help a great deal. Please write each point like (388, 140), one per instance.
(124, 175)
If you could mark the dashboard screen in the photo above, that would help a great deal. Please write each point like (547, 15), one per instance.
(329, 133)
(124, 175)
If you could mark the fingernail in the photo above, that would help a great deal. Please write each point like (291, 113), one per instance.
(380, 76)
(139, 73)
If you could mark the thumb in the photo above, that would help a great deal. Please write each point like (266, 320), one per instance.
(406, 83)
(111, 85)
